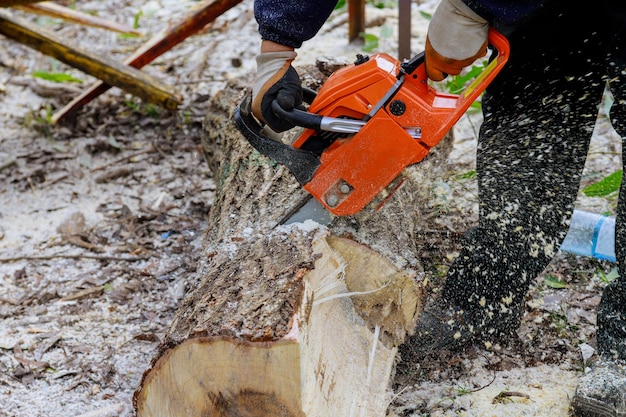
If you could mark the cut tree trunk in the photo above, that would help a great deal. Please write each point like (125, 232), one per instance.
(298, 320)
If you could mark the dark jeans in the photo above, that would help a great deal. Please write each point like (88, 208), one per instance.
(539, 115)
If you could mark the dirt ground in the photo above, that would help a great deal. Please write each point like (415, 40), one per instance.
(102, 219)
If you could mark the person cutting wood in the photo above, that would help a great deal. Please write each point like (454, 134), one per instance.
(539, 115)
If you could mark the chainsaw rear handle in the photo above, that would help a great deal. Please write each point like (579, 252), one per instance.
(298, 117)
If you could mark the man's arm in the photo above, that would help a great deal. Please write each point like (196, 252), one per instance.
(291, 22)
(457, 33)
(283, 25)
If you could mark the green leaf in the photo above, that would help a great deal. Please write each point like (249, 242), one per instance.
(605, 186)
(136, 20)
(128, 35)
(467, 175)
(475, 107)
(607, 278)
(371, 42)
(554, 282)
(381, 4)
(425, 15)
(56, 77)
(456, 84)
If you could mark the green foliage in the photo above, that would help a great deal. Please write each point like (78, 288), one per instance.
(127, 35)
(379, 4)
(456, 84)
(136, 19)
(425, 15)
(372, 41)
(147, 109)
(56, 77)
(466, 175)
(608, 278)
(554, 282)
(40, 120)
(604, 187)
(382, 4)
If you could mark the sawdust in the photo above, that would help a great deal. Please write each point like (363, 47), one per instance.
(84, 306)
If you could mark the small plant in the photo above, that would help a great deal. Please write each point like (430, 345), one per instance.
(136, 19)
(40, 120)
(559, 322)
(469, 175)
(372, 41)
(382, 4)
(461, 390)
(146, 109)
(608, 278)
(426, 15)
(57, 77)
(554, 282)
(131, 105)
(606, 186)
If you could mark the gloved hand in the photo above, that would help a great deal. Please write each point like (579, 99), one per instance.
(276, 80)
(457, 36)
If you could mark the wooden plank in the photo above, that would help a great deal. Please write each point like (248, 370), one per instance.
(127, 78)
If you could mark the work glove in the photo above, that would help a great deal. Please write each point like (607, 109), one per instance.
(276, 80)
(457, 36)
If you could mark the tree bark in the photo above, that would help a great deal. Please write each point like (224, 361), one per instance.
(298, 320)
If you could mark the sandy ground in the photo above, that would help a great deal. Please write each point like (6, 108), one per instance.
(101, 222)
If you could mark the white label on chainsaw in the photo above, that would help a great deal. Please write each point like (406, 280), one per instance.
(444, 102)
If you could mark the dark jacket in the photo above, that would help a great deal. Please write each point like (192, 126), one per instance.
(291, 22)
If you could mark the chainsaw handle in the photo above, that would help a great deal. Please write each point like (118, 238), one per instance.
(298, 117)
(499, 44)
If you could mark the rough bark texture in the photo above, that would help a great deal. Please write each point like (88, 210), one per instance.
(292, 320)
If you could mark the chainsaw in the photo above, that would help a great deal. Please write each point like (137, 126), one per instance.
(367, 122)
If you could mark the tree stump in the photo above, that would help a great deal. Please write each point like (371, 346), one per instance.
(298, 320)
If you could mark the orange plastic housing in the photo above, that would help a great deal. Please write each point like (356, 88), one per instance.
(355, 169)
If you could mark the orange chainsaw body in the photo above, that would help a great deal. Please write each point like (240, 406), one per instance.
(355, 168)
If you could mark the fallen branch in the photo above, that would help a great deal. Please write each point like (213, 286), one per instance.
(51, 9)
(127, 78)
(206, 12)
(11, 3)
